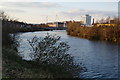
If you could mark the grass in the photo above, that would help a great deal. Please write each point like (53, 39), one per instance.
(15, 67)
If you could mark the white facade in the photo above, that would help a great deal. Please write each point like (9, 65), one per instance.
(87, 20)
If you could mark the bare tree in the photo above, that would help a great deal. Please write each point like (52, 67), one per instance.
(4, 16)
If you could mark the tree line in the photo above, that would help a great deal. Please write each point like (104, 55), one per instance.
(107, 33)
(13, 25)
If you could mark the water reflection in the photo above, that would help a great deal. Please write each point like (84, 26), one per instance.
(100, 58)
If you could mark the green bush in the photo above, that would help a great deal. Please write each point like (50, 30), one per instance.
(52, 54)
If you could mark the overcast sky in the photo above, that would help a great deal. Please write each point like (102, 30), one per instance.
(36, 12)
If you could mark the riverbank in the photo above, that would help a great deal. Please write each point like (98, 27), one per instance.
(14, 66)
(95, 33)
(88, 52)
(16, 26)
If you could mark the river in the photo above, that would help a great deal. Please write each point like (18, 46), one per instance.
(99, 57)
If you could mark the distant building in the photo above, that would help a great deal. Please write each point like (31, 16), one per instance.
(87, 20)
(52, 24)
(105, 25)
(112, 21)
(56, 24)
(93, 22)
(60, 24)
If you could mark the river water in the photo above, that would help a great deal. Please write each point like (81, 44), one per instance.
(99, 57)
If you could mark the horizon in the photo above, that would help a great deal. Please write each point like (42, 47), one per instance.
(43, 12)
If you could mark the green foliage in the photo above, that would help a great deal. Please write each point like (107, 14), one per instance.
(52, 54)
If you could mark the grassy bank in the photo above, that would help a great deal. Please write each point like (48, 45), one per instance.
(15, 67)
(55, 63)
(95, 33)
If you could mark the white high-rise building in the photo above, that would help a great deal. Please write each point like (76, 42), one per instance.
(87, 20)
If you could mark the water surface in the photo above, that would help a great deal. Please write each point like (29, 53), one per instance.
(99, 57)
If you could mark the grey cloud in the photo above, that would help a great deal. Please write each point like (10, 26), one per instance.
(80, 12)
(30, 4)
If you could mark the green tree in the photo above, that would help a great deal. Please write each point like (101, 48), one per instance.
(52, 53)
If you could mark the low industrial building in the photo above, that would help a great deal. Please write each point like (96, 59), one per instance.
(56, 24)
